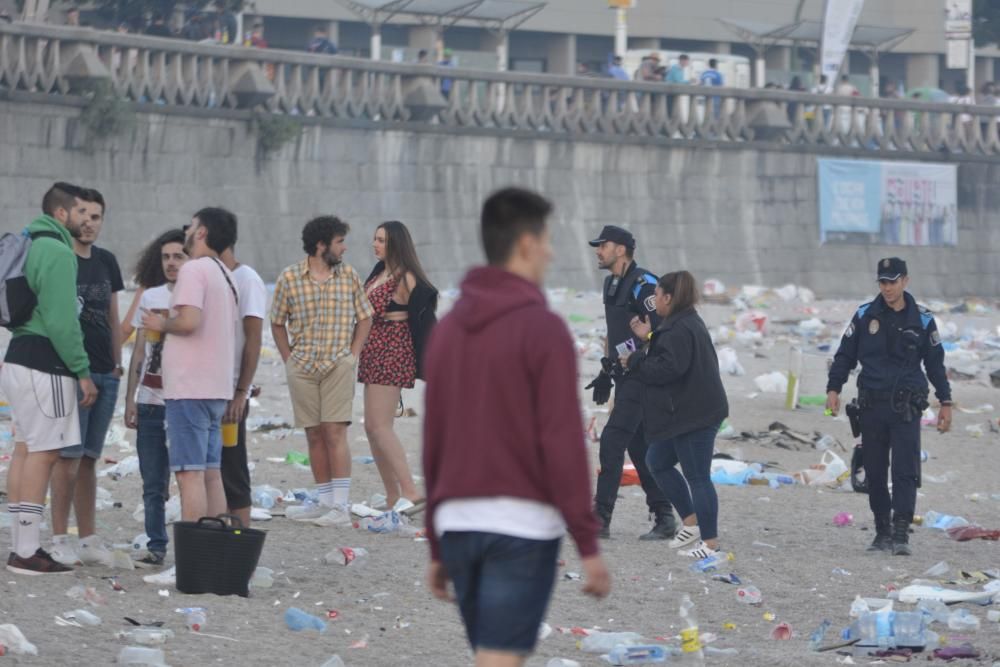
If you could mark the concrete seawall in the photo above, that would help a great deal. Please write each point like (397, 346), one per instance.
(740, 215)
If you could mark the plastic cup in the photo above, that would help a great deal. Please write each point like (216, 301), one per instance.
(230, 434)
(153, 336)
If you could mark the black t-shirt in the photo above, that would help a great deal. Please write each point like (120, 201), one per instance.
(97, 280)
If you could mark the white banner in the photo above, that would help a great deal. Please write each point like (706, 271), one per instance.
(839, 21)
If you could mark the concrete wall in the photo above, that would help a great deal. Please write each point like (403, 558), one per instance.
(743, 216)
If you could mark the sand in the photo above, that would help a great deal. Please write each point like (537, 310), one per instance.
(811, 571)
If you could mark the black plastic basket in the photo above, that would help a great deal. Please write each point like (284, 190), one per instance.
(212, 557)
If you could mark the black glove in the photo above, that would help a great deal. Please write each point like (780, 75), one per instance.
(602, 388)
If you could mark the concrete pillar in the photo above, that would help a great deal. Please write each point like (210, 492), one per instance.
(498, 44)
(922, 70)
(779, 58)
(562, 55)
(333, 28)
(423, 37)
(984, 70)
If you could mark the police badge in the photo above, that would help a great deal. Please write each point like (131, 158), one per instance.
(850, 330)
(935, 337)
(650, 303)
(873, 327)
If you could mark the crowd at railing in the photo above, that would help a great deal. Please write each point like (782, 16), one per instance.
(56, 60)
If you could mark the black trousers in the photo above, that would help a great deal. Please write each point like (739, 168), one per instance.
(622, 433)
(888, 439)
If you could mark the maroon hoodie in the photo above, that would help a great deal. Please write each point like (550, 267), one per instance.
(502, 416)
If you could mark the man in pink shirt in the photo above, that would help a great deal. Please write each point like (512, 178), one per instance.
(198, 359)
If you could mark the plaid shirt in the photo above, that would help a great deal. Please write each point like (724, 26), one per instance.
(320, 317)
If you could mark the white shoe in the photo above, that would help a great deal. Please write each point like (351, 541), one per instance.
(258, 514)
(63, 551)
(92, 552)
(306, 512)
(701, 550)
(168, 576)
(335, 517)
(685, 537)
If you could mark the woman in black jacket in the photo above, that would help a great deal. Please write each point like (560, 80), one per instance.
(683, 405)
(404, 301)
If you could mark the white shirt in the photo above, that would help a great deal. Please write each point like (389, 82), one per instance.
(253, 303)
(503, 515)
(150, 380)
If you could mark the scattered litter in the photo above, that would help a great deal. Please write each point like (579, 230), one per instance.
(774, 382)
(345, 556)
(782, 632)
(83, 617)
(842, 519)
(138, 655)
(12, 638)
(602, 642)
(298, 620)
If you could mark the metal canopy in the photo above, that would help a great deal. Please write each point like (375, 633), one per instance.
(497, 14)
(866, 37)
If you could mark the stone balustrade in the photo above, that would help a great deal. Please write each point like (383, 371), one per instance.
(54, 60)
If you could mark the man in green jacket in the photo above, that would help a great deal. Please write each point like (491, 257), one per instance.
(44, 361)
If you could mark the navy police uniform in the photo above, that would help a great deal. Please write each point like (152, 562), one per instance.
(892, 394)
(625, 297)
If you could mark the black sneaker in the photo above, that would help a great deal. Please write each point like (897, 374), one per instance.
(10, 557)
(152, 559)
(39, 563)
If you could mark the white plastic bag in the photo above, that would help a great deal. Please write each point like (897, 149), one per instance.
(11, 637)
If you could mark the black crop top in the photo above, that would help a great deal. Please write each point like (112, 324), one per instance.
(394, 307)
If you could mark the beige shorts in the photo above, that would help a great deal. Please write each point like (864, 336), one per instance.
(322, 397)
(44, 407)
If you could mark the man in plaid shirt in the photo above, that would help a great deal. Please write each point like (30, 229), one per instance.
(320, 319)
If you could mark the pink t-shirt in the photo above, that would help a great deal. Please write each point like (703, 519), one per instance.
(200, 365)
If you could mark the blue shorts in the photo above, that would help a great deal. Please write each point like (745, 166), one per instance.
(95, 420)
(503, 585)
(194, 431)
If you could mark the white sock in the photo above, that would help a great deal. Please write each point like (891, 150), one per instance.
(13, 509)
(90, 541)
(341, 491)
(30, 521)
(325, 491)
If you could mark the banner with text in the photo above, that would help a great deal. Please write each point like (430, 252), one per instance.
(891, 203)
(839, 20)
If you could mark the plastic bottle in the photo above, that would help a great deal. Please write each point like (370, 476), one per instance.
(859, 607)
(690, 639)
(334, 661)
(265, 496)
(711, 563)
(263, 577)
(961, 620)
(137, 655)
(83, 617)
(146, 636)
(298, 620)
(940, 521)
(816, 638)
(636, 655)
(749, 595)
(825, 442)
(195, 619)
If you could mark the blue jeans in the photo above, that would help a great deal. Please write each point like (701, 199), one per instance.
(154, 466)
(503, 585)
(694, 452)
(194, 426)
(95, 420)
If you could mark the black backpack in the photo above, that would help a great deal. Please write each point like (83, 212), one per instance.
(17, 301)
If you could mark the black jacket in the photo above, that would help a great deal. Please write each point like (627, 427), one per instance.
(891, 355)
(679, 371)
(624, 298)
(421, 311)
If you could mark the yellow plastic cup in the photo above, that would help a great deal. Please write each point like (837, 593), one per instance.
(153, 336)
(230, 434)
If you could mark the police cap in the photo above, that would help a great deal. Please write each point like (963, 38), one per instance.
(615, 235)
(890, 268)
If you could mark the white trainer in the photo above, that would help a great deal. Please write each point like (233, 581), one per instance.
(335, 517)
(306, 511)
(168, 576)
(92, 552)
(685, 537)
(63, 551)
(701, 550)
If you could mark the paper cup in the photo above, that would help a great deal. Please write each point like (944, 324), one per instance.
(230, 434)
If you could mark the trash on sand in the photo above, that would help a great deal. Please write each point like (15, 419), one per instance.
(298, 620)
(83, 617)
(939, 570)
(562, 662)
(966, 533)
(781, 632)
(138, 655)
(915, 593)
(299, 458)
(15, 641)
(729, 363)
(127, 466)
(961, 620)
(749, 595)
(345, 556)
(636, 655)
(955, 652)
(859, 607)
(711, 563)
(940, 521)
(146, 636)
(816, 638)
(774, 382)
(86, 593)
(842, 519)
(727, 578)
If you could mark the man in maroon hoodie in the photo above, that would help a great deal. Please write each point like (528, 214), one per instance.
(504, 454)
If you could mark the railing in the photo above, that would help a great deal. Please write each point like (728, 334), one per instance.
(147, 70)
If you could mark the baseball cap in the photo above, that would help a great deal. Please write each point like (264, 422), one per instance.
(615, 235)
(891, 268)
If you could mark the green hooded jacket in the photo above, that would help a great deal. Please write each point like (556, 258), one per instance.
(51, 270)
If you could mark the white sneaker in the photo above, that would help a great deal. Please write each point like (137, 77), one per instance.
(335, 517)
(92, 552)
(63, 551)
(685, 537)
(168, 576)
(701, 550)
(306, 512)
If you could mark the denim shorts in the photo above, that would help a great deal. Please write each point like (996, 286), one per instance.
(503, 585)
(95, 420)
(194, 430)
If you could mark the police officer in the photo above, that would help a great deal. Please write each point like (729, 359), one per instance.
(891, 336)
(628, 292)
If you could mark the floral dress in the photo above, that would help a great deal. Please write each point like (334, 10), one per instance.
(387, 358)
